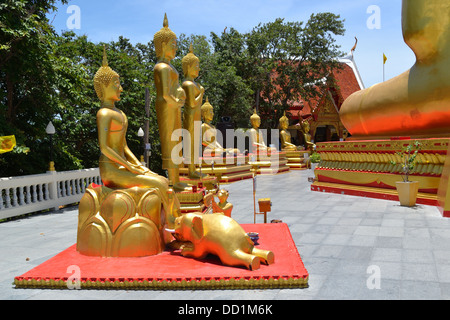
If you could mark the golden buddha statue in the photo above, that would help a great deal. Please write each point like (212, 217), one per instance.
(209, 134)
(416, 102)
(192, 109)
(170, 97)
(307, 136)
(285, 135)
(126, 216)
(256, 137)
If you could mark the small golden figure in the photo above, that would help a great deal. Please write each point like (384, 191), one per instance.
(223, 207)
(170, 97)
(192, 109)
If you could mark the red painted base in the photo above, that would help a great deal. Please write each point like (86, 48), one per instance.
(170, 270)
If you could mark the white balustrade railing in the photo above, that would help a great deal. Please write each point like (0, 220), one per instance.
(33, 193)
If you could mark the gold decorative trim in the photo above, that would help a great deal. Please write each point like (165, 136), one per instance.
(171, 284)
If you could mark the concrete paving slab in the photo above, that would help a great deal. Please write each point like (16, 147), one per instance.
(341, 239)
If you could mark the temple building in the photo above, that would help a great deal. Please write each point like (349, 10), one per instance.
(323, 112)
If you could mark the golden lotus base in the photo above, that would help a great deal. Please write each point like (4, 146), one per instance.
(120, 223)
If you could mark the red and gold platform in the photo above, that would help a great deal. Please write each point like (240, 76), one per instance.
(296, 160)
(171, 271)
(363, 168)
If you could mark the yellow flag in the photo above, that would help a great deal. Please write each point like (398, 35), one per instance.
(7, 144)
(384, 58)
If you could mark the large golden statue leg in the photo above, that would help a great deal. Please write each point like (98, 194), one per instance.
(170, 97)
(417, 102)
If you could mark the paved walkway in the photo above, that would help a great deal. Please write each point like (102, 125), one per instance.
(345, 242)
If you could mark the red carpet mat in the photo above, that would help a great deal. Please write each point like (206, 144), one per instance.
(171, 271)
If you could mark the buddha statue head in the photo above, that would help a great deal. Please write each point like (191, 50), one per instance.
(255, 120)
(223, 195)
(305, 126)
(284, 122)
(191, 64)
(165, 41)
(107, 83)
(207, 111)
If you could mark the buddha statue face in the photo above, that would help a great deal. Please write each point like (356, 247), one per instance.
(191, 64)
(208, 115)
(194, 69)
(305, 126)
(284, 124)
(165, 42)
(223, 195)
(113, 90)
(256, 122)
(169, 49)
(207, 111)
(107, 83)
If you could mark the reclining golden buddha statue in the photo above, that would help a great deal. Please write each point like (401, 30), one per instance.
(416, 103)
(128, 215)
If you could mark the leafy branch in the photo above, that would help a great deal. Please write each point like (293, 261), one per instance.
(408, 157)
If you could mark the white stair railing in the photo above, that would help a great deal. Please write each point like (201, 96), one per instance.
(33, 193)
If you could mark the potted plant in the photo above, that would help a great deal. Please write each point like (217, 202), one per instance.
(314, 159)
(407, 190)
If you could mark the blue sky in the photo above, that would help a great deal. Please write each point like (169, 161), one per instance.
(138, 20)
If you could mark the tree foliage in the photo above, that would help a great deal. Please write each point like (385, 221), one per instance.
(45, 76)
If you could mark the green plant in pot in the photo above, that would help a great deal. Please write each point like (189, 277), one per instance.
(407, 190)
(314, 159)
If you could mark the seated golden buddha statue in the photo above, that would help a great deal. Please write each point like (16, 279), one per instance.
(257, 144)
(192, 109)
(416, 102)
(209, 134)
(285, 136)
(126, 217)
(170, 97)
(307, 136)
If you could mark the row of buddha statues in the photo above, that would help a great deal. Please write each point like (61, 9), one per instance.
(136, 212)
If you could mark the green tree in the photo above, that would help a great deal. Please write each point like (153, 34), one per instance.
(230, 90)
(290, 61)
(27, 95)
